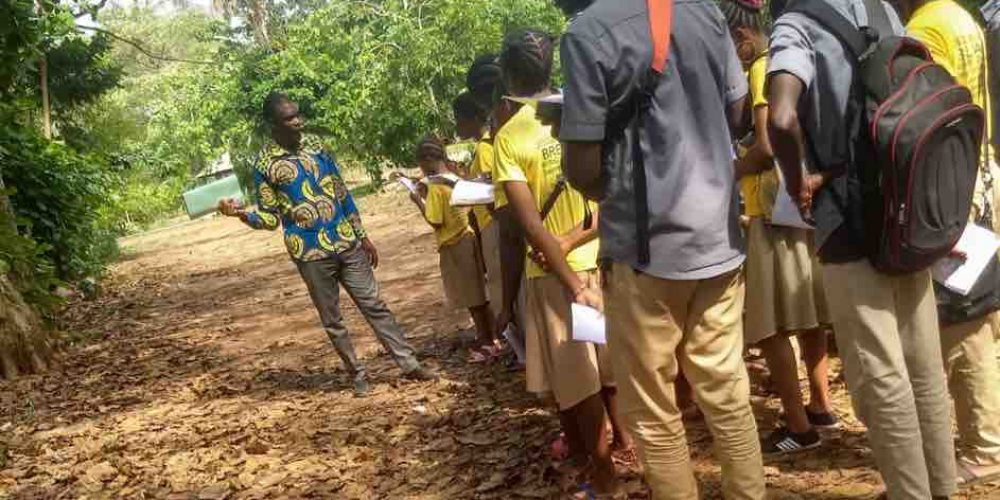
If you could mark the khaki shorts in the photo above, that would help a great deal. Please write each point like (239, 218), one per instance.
(462, 273)
(783, 282)
(557, 365)
(491, 257)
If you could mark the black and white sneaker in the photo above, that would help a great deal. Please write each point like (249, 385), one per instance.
(783, 441)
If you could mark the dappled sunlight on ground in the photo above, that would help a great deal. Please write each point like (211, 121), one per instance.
(210, 378)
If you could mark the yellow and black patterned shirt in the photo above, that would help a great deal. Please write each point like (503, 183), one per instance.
(304, 192)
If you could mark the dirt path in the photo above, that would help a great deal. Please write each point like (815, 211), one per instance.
(211, 379)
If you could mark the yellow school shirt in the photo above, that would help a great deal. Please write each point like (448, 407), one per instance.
(526, 152)
(482, 164)
(957, 43)
(759, 190)
(452, 222)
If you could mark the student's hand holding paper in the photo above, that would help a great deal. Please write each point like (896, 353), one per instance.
(588, 324)
(588, 297)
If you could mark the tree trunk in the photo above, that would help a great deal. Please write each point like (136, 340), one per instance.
(43, 83)
(25, 346)
(258, 19)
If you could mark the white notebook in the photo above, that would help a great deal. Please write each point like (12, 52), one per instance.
(588, 324)
(979, 246)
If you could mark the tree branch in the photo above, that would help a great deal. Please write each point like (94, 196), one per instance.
(90, 9)
(140, 48)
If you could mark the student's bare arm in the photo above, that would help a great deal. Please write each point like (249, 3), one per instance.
(785, 129)
(522, 202)
(422, 206)
(760, 157)
(580, 235)
(583, 168)
(736, 113)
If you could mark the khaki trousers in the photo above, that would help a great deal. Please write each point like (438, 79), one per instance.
(970, 360)
(888, 338)
(656, 325)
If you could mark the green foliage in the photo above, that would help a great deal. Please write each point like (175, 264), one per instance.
(57, 195)
(379, 76)
(137, 202)
(23, 259)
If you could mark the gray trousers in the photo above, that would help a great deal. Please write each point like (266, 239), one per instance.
(353, 270)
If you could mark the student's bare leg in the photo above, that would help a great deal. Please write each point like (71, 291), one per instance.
(574, 440)
(483, 319)
(814, 355)
(685, 402)
(785, 378)
(590, 417)
(620, 438)
(512, 251)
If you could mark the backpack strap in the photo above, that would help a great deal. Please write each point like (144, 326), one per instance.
(661, 17)
(553, 197)
(833, 21)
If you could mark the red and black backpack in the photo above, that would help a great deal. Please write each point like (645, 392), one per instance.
(916, 142)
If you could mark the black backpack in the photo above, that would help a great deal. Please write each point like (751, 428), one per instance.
(916, 142)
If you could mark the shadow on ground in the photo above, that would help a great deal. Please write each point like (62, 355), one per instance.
(210, 378)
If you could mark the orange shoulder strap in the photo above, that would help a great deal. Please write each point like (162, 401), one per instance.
(661, 16)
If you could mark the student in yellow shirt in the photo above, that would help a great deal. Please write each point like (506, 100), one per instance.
(472, 122)
(484, 83)
(958, 44)
(461, 266)
(528, 166)
(783, 294)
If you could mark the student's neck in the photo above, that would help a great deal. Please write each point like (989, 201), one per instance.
(529, 94)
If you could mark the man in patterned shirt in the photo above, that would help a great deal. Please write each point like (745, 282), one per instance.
(299, 187)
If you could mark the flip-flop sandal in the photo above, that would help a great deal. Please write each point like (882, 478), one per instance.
(477, 357)
(586, 492)
(559, 448)
(492, 352)
(626, 457)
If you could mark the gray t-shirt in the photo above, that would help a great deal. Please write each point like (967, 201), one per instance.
(694, 228)
(802, 47)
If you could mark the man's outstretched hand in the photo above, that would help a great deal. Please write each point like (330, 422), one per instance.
(231, 207)
(369, 248)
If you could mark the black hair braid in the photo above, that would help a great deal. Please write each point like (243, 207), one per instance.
(740, 16)
(573, 7)
(526, 60)
(466, 105)
(269, 110)
(431, 147)
(483, 77)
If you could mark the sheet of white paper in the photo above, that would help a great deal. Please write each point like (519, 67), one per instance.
(785, 213)
(979, 246)
(408, 184)
(471, 193)
(588, 324)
